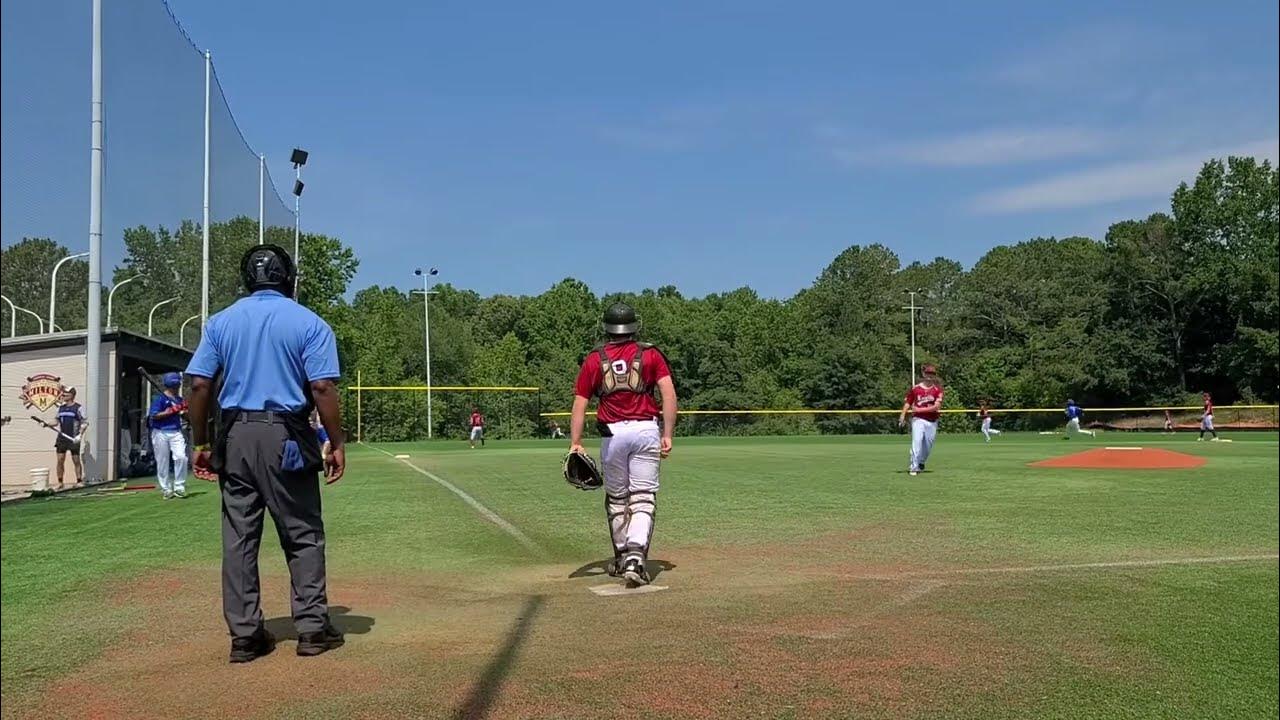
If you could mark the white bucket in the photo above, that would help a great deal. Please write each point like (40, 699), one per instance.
(39, 479)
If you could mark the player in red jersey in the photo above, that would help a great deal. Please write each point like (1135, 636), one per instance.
(624, 373)
(477, 427)
(924, 402)
(1206, 419)
(984, 415)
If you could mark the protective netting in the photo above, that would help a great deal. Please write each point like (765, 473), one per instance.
(154, 97)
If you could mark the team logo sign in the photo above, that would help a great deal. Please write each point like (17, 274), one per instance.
(42, 391)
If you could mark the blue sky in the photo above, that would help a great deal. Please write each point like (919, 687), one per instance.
(716, 145)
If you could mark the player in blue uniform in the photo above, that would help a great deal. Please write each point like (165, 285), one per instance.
(167, 441)
(1074, 414)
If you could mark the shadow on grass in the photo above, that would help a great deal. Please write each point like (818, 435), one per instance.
(348, 624)
(489, 686)
(597, 568)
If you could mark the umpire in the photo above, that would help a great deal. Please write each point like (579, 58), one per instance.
(275, 360)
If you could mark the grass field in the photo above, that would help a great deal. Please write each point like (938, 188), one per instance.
(808, 578)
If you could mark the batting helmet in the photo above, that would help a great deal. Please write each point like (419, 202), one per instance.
(268, 267)
(171, 380)
(620, 319)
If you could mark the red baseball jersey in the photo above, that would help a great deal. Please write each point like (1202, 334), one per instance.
(920, 396)
(983, 412)
(477, 420)
(623, 405)
(1208, 407)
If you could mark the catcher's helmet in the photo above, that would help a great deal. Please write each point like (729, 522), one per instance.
(620, 319)
(267, 267)
(171, 380)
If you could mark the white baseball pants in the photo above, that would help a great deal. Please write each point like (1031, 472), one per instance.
(923, 433)
(1073, 426)
(987, 430)
(170, 446)
(631, 458)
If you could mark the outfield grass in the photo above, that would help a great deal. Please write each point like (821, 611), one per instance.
(808, 577)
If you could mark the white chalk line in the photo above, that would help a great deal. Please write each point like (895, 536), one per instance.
(1027, 569)
(485, 512)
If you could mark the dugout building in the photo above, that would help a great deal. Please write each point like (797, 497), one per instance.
(33, 367)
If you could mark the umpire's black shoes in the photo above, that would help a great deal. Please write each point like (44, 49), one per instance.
(314, 643)
(245, 650)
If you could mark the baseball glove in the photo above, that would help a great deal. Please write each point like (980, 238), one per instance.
(581, 471)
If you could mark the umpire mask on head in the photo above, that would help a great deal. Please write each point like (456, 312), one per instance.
(268, 267)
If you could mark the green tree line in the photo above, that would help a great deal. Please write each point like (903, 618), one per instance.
(1162, 307)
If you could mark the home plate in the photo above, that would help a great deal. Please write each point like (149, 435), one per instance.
(402, 457)
(612, 590)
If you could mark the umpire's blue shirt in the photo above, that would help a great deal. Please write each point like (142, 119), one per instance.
(268, 348)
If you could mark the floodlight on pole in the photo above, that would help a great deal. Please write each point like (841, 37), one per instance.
(151, 316)
(299, 158)
(182, 331)
(112, 294)
(53, 284)
(426, 332)
(39, 320)
(913, 308)
(13, 316)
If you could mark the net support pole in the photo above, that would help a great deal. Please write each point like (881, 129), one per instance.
(297, 224)
(93, 341)
(262, 196)
(204, 230)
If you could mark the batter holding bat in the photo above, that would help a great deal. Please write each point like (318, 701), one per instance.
(70, 424)
(167, 441)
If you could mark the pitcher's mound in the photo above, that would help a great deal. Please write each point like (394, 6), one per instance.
(1124, 459)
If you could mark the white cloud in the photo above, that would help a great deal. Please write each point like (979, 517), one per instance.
(997, 146)
(1123, 181)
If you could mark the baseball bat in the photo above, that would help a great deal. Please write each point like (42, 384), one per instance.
(42, 422)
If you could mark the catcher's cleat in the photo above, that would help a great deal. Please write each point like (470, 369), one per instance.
(913, 472)
(635, 573)
(614, 568)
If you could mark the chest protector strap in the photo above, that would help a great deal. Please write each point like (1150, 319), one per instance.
(619, 376)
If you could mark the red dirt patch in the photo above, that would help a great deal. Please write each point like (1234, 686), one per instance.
(1129, 459)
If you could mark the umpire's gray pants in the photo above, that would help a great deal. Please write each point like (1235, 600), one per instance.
(253, 482)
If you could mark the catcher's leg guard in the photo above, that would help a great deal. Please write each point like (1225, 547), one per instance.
(641, 507)
(615, 507)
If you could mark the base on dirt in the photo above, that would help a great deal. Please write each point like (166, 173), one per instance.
(1124, 459)
(614, 590)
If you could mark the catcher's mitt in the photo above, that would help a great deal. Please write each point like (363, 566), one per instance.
(581, 471)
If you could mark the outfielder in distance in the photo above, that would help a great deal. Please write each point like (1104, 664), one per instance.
(623, 373)
(984, 415)
(1074, 414)
(924, 402)
(1206, 418)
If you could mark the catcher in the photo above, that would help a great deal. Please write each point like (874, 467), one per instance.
(624, 374)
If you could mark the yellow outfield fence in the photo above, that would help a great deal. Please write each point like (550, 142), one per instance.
(411, 412)
(953, 411)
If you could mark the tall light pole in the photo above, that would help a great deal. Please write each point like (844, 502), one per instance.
(53, 284)
(151, 316)
(299, 158)
(182, 331)
(39, 320)
(13, 316)
(111, 295)
(93, 307)
(426, 332)
(913, 308)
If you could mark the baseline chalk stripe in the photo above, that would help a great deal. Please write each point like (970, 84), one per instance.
(485, 512)
(617, 590)
(402, 457)
(1027, 569)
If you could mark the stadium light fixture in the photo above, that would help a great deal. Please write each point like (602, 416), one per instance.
(53, 284)
(426, 331)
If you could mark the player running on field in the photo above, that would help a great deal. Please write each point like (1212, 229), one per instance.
(1168, 422)
(477, 427)
(1074, 413)
(924, 402)
(984, 414)
(624, 373)
(1206, 419)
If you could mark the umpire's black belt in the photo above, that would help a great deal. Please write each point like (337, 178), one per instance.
(269, 417)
